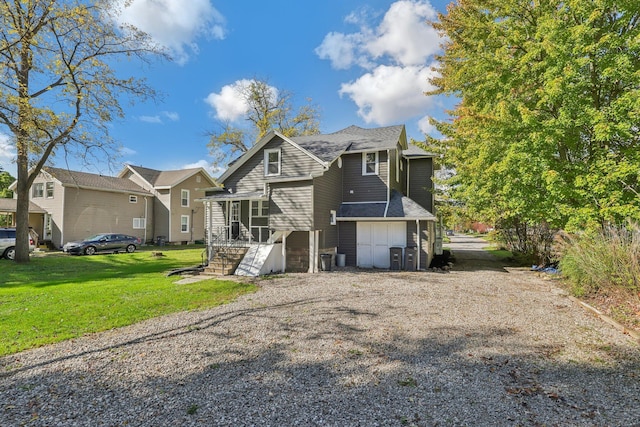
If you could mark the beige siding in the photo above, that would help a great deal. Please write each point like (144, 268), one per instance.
(195, 210)
(363, 188)
(161, 209)
(54, 206)
(291, 206)
(88, 212)
(294, 163)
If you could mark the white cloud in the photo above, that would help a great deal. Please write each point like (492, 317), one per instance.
(395, 54)
(157, 119)
(124, 151)
(213, 171)
(426, 127)
(390, 93)
(405, 35)
(7, 154)
(230, 104)
(175, 24)
(150, 119)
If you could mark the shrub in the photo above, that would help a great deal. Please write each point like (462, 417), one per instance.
(608, 258)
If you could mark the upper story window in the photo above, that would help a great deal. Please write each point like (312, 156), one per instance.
(272, 162)
(184, 198)
(49, 190)
(370, 163)
(37, 190)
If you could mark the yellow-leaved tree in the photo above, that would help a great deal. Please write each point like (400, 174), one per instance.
(58, 87)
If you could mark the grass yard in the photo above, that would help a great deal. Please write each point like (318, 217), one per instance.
(57, 297)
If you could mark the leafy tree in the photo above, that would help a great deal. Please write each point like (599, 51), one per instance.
(58, 90)
(546, 132)
(267, 109)
(5, 181)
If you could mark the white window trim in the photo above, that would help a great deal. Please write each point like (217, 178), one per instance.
(182, 198)
(266, 161)
(261, 208)
(46, 190)
(182, 217)
(133, 199)
(364, 163)
(139, 223)
(40, 193)
(332, 217)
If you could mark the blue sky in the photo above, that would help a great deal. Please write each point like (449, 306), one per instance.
(361, 62)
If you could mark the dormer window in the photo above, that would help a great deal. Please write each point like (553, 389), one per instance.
(272, 162)
(370, 163)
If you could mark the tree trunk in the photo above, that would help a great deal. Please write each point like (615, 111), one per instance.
(22, 211)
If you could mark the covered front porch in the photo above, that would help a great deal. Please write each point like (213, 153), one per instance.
(238, 234)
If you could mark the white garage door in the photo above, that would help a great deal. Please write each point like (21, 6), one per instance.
(375, 239)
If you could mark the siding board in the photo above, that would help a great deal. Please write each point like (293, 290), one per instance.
(363, 188)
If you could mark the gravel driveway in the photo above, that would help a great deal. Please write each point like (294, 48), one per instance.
(482, 345)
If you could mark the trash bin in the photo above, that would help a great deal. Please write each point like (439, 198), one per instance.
(410, 258)
(160, 240)
(395, 258)
(341, 260)
(325, 262)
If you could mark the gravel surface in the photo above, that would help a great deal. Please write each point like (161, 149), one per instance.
(481, 345)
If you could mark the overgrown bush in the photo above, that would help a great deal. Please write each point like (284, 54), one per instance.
(530, 241)
(608, 258)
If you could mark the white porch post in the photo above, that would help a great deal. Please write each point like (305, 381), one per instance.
(284, 252)
(312, 251)
(251, 220)
(419, 244)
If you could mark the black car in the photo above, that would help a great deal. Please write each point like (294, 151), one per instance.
(104, 242)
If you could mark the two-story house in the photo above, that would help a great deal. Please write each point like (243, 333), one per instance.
(71, 205)
(356, 192)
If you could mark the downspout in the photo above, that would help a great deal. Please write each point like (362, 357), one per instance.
(386, 208)
(419, 244)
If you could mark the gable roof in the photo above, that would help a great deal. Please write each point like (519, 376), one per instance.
(93, 181)
(165, 179)
(325, 148)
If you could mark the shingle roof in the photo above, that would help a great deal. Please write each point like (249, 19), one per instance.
(90, 180)
(164, 178)
(329, 146)
(400, 207)
(10, 205)
(415, 151)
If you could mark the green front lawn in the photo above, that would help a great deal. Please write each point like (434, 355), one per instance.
(58, 297)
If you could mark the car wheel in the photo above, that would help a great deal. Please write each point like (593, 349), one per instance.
(10, 253)
(131, 248)
(89, 250)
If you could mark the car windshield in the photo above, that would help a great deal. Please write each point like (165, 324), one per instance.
(95, 237)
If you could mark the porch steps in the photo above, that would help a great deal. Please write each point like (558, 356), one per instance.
(225, 261)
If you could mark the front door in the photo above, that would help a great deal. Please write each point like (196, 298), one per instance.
(374, 240)
(234, 220)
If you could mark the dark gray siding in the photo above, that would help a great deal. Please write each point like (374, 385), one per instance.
(294, 163)
(395, 171)
(412, 240)
(291, 206)
(367, 188)
(420, 184)
(327, 197)
(348, 242)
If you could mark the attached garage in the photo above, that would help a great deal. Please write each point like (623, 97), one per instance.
(374, 240)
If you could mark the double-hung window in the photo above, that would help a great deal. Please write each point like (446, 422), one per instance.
(184, 223)
(49, 190)
(259, 208)
(370, 163)
(184, 198)
(37, 190)
(272, 162)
